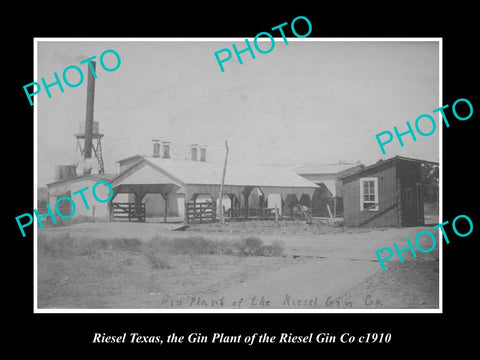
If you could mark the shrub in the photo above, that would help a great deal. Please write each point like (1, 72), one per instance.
(65, 245)
(193, 245)
(127, 244)
(152, 255)
(198, 245)
(253, 246)
(78, 219)
(61, 245)
(157, 262)
(250, 246)
(276, 249)
(225, 247)
(92, 247)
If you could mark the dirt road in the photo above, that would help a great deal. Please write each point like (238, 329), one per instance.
(312, 283)
(337, 269)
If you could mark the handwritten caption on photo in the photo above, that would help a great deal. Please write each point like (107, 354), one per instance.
(263, 301)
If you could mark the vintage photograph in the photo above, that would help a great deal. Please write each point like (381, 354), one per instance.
(164, 184)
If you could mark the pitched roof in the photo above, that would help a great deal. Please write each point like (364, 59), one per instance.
(107, 177)
(202, 172)
(315, 168)
(388, 161)
(137, 156)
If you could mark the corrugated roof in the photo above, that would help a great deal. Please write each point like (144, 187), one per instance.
(201, 172)
(388, 161)
(313, 168)
(137, 156)
(107, 177)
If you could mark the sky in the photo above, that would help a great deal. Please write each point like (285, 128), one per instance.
(307, 101)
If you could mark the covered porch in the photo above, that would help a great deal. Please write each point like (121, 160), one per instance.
(136, 210)
(194, 198)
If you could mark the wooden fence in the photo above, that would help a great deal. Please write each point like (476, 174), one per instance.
(335, 204)
(201, 211)
(257, 212)
(130, 211)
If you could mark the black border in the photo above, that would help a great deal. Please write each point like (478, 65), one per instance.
(411, 333)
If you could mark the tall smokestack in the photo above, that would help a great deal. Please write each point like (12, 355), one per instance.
(87, 149)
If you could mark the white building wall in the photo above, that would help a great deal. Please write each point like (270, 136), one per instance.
(275, 200)
(89, 207)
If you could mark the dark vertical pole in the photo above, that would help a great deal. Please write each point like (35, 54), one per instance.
(194, 205)
(138, 203)
(185, 208)
(87, 149)
(232, 204)
(165, 197)
(399, 204)
(239, 205)
(222, 220)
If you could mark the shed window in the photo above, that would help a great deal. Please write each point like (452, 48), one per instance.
(369, 194)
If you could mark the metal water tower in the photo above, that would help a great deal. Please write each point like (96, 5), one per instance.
(96, 146)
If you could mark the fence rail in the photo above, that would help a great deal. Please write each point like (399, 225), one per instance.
(335, 204)
(203, 211)
(130, 211)
(256, 212)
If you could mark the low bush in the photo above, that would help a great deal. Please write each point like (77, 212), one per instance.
(156, 248)
(92, 247)
(253, 246)
(156, 260)
(78, 219)
(193, 245)
(61, 245)
(276, 249)
(126, 244)
(65, 245)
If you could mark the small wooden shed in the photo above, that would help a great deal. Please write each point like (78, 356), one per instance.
(387, 193)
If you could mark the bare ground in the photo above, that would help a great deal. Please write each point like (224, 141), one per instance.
(321, 267)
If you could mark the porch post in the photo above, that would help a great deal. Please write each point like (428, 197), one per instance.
(185, 211)
(165, 197)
